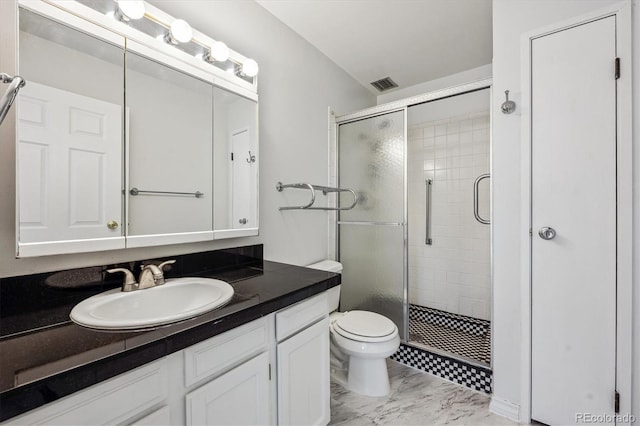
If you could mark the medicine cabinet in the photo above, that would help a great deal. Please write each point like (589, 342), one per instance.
(123, 140)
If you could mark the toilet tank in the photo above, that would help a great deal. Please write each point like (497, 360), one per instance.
(333, 293)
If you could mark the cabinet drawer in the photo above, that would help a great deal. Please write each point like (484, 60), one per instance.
(112, 402)
(300, 315)
(215, 355)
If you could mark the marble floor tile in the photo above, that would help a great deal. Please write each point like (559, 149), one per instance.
(416, 398)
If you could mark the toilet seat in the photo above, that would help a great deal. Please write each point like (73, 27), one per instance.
(364, 326)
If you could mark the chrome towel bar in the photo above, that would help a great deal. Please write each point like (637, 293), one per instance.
(312, 188)
(136, 191)
(9, 96)
(427, 238)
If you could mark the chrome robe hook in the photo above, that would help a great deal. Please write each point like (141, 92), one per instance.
(508, 106)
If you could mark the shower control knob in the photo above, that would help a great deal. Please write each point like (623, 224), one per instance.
(547, 233)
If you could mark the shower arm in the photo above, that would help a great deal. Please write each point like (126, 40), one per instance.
(16, 83)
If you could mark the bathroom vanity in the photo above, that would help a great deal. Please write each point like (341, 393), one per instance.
(261, 359)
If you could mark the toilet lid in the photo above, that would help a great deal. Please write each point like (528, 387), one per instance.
(364, 324)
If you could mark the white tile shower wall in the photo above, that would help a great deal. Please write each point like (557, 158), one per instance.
(452, 274)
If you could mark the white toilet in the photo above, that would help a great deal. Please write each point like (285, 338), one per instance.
(360, 343)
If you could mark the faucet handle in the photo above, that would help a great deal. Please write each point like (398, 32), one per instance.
(129, 283)
(165, 263)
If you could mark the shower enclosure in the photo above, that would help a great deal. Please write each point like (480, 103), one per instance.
(416, 248)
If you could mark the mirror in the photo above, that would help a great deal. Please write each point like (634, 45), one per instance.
(69, 137)
(171, 159)
(235, 161)
(170, 116)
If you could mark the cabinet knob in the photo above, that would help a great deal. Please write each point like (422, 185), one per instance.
(112, 224)
(243, 221)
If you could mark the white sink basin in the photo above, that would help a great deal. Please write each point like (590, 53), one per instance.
(176, 300)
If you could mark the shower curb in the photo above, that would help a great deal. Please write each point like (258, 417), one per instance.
(454, 370)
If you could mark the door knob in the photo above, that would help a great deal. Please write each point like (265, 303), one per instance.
(547, 233)
(243, 221)
(112, 224)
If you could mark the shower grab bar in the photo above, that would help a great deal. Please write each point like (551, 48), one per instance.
(136, 191)
(476, 206)
(325, 190)
(428, 240)
(9, 96)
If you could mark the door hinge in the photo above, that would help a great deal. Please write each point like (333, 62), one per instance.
(232, 156)
(617, 68)
(616, 402)
(530, 232)
(269, 371)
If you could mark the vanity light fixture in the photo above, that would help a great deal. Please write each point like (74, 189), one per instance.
(217, 52)
(129, 10)
(179, 32)
(250, 68)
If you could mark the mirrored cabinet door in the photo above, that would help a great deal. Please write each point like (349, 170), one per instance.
(69, 139)
(170, 153)
(235, 162)
(126, 147)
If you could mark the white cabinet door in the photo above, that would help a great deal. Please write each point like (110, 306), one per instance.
(69, 167)
(303, 377)
(573, 272)
(239, 397)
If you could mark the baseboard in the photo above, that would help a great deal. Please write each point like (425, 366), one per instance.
(505, 409)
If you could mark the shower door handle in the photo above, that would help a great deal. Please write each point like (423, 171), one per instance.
(427, 215)
(476, 203)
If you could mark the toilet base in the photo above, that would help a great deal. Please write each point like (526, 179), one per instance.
(368, 376)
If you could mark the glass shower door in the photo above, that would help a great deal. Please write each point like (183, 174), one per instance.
(372, 236)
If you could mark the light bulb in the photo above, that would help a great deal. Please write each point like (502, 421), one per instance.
(250, 68)
(219, 51)
(181, 31)
(131, 9)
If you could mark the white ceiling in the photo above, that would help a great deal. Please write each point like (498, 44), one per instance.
(411, 41)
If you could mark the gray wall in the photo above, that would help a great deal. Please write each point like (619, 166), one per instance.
(296, 86)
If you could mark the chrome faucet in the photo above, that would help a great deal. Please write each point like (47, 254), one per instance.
(150, 276)
(147, 278)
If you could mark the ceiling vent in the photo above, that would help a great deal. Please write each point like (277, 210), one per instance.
(384, 84)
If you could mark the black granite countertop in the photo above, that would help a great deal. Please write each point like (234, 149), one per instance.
(44, 356)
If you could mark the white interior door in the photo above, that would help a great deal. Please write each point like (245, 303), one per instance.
(69, 168)
(241, 209)
(573, 125)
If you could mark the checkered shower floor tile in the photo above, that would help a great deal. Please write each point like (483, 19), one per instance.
(458, 334)
(454, 370)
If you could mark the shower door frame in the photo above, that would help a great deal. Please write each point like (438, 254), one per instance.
(396, 106)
